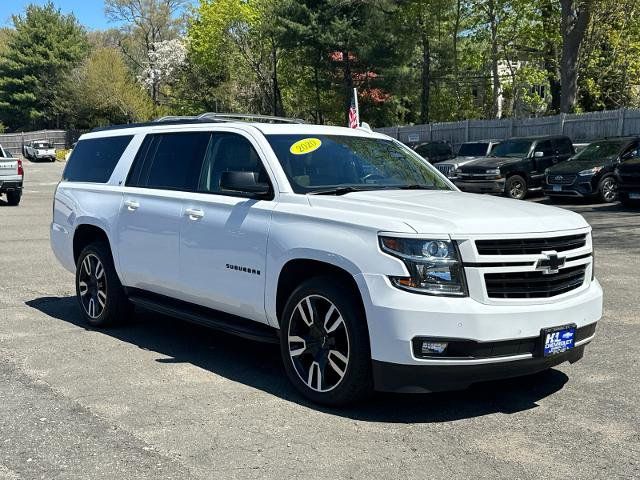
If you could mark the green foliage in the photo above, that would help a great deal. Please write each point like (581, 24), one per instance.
(43, 48)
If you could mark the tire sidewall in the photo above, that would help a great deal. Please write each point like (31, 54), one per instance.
(104, 255)
(357, 380)
(601, 186)
(512, 179)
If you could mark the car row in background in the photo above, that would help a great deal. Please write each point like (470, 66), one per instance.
(605, 170)
(11, 177)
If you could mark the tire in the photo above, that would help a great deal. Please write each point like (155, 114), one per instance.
(326, 355)
(100, 295)
(516, 187)
(608, 190)
(14, 197)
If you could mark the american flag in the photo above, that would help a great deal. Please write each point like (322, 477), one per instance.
(353, 111)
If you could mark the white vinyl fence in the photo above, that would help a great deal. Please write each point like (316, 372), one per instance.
(581, 128)
(13, 142)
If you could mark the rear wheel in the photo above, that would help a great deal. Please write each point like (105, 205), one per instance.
(98, 289)
(608, 189)
(325, 343)
(516, 187)
(14, 197)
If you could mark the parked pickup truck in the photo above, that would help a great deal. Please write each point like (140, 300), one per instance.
(11, 176)
(514, 167)
(468, 152)
(40, 150)
(367, 266)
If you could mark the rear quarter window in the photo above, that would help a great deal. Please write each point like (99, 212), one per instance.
(94, 160)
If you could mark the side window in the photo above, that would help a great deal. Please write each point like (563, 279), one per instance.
(229, 152)
(564, 146)
(93, 160)
(426, 151)
(632, 154)
(546, 148)
(170, 161)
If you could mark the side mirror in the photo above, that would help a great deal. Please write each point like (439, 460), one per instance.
(538, 154)
(243, 182)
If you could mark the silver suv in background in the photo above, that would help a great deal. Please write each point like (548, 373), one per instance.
(468, 152)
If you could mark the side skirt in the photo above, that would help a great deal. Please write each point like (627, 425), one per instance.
(203, 316)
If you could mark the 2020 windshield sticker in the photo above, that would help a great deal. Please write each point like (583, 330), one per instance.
(306, 145)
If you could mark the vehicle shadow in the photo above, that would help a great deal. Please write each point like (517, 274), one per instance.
(258, 365)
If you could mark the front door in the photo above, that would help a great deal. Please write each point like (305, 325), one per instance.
(224, 234)
(148, 231)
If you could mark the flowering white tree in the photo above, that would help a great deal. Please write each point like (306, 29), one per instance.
(164, 60)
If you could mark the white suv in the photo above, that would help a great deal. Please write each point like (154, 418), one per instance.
(366, 264)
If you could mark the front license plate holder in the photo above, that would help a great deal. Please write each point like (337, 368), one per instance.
(557, 188)
(634, 196)
(557, 340)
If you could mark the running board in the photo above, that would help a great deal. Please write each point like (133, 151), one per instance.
(207, 317)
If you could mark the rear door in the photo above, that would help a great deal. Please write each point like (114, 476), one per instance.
(150, 218)
(223, 242)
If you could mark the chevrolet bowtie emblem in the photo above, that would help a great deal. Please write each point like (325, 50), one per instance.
(550, 263)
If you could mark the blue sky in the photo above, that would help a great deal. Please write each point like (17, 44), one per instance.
(90, 13)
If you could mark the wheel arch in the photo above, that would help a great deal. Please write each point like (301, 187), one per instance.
(297, 270)
(87, 233)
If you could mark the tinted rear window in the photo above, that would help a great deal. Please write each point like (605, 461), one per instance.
(94, 160)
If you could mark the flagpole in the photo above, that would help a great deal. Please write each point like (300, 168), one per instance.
(355, 96)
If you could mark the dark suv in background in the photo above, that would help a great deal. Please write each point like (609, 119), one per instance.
(590, 173)
(514, 167)
(628, 178)
(435, 152)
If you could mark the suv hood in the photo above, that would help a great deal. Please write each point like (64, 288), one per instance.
(575, 166)
(483, 163)
(446, 212)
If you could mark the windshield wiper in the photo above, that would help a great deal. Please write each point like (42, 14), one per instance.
(416, 186)
(342, 190)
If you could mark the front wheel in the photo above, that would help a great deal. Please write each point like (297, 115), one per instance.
(325, 343)
(516, 187)
(100, 294)
(608, 190)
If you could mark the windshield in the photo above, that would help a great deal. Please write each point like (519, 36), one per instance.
(42, 145)
(323, 162)
(600, 150)
(512, 148)
(473, 150)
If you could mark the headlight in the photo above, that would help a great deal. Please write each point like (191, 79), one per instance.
(434, 266)
(590, 172)
(493, 171)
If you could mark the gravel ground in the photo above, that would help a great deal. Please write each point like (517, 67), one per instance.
(163, 399)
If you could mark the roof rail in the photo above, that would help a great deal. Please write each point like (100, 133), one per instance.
(175, 118)
(231, 117)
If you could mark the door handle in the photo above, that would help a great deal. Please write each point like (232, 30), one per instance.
(194, 213)
(132, 205)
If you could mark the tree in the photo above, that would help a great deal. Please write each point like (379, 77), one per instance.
(39, 54)
(103, 91)
(574, 22)
(146, 23)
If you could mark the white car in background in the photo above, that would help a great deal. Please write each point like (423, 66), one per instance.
(368, 267)
(38, 150)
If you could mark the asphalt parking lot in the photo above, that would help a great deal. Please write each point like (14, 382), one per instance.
(163, 399)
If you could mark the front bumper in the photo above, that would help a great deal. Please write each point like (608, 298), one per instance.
(396, 317)
(393, 377)
(581, 187)
(481, 186)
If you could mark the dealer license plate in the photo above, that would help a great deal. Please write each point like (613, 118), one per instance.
(634, 196)
(558, 339)
(557, 188)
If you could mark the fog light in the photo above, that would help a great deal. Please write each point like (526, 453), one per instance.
(433, 348)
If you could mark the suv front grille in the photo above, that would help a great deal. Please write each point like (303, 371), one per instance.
(561, 179)
(534, 284)
(530, 246)
(446, 168)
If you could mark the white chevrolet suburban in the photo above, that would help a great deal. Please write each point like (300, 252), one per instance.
(365, 263)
